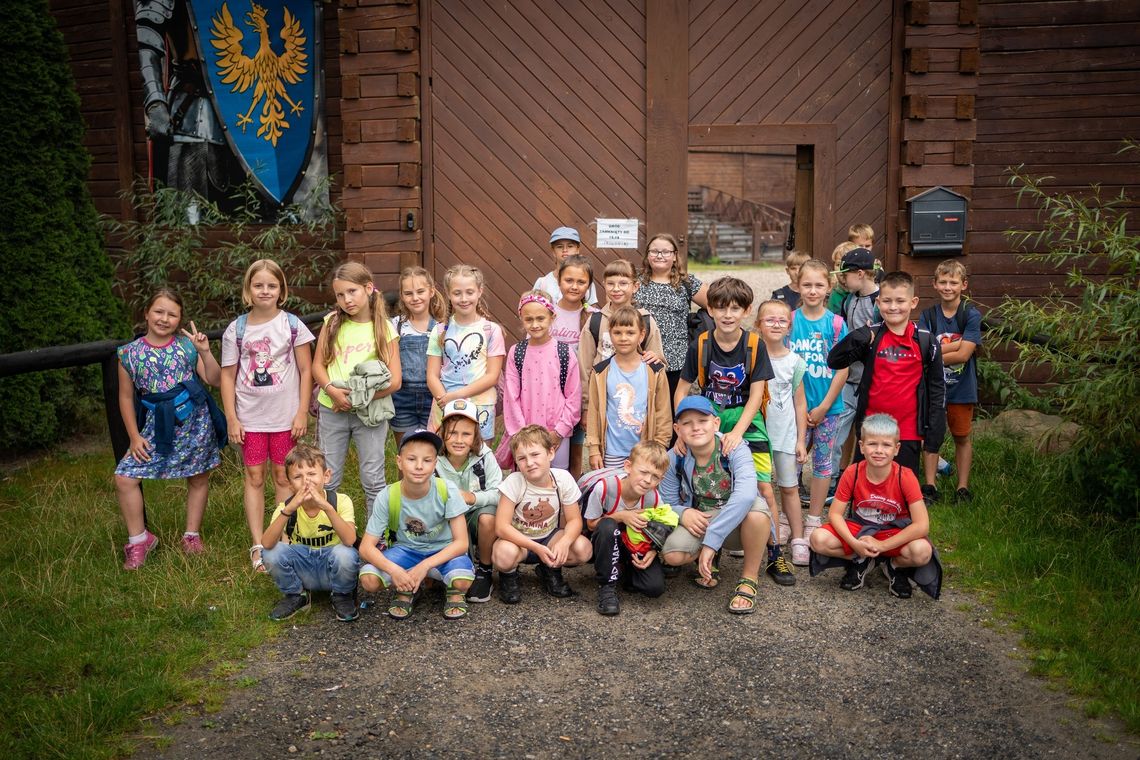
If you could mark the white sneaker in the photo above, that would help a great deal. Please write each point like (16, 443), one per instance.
(801, 552)
(810, 524)
(784, 532)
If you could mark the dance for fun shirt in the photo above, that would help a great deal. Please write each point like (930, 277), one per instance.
(465, 350)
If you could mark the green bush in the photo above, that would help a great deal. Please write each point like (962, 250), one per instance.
(167, 245)
(1089, 328)
(55, 277)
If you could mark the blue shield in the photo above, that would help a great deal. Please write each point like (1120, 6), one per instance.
(262, 64)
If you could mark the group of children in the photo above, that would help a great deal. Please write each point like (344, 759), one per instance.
(682, 449)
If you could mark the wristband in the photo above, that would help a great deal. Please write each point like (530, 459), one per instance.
(325, 387)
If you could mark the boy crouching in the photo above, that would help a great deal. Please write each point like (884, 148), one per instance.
(321, 529)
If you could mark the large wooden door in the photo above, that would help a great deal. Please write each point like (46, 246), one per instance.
(537, 119)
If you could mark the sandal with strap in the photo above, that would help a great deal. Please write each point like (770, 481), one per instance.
(700, 582)
(746, 588)
(258, 564)
(455, 605)
(401, 604)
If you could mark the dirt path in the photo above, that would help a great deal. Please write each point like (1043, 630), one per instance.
(816, 672)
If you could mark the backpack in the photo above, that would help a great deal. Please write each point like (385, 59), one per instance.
(930, 317)
(563, 361)
(751, 358)
(291, 523)
(609, 480)
(698, 321)
(595, 326)
(243, 320)
(394, 494)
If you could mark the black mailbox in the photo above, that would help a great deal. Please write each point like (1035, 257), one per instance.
(937, 222)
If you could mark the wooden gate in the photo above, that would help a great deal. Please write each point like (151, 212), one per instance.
(536, 119)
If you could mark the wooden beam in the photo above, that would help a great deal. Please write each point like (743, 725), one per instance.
(666, 119)
(894, 135)
(124, 140)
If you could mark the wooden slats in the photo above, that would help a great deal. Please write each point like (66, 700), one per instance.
(537, 120)
(776, 62)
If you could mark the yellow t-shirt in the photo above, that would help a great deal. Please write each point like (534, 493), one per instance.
(317, 532)
(355, 343)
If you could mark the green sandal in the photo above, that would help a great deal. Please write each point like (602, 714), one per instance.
(709, 585)
(401, 604)
(454, 608)
(746, 588)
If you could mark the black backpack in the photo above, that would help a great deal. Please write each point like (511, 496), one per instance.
(698, 321)
(563, 368)
(291, 523)
(595, 326)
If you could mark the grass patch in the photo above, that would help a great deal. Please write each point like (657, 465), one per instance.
(91, 649)
(1068, 578)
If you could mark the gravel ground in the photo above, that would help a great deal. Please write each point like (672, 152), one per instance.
(816, 672)
(762, 279)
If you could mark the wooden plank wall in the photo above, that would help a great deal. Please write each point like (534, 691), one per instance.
(379, 106)
(527, 137)
(802, 62)
(941, 61)
(1058, 90)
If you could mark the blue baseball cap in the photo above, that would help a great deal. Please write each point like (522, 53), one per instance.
(565, 233)
(695, 404)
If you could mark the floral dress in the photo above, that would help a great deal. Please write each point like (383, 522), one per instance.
(156, 369)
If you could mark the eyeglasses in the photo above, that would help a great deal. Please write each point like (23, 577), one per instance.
(661, 254)
(776, 322)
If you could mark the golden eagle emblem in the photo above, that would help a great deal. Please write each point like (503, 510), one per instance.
(267, 71)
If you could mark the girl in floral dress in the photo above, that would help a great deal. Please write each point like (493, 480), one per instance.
(182, 428)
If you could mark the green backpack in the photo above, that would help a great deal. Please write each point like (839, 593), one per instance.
(394, 494)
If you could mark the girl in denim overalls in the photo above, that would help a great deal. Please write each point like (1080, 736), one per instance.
(420, 307)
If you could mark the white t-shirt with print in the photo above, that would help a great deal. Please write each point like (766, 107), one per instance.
(267, 387)
(539, 508)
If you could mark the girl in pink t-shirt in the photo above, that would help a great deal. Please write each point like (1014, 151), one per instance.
(266, 382)
(552, 394)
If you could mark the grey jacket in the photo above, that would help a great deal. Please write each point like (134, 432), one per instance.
(367, 378)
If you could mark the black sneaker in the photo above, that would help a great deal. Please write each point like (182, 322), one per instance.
(963, 496)
(857, 570)
(671, 571)
(553, 582)
(480, 590)
(290, 605)
(930, 495)
(344, 606)
(900, 584)
(608, 603)
(509, 591)
(780, 570)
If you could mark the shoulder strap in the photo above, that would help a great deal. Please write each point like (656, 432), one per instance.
(291, 523)
(595, 325)
(294, 327)
(393, 512)
(930, 317)
(704, 358)
(563, 364)
(520, 355)
(961, 315)
(751, 354)
(480, 472)
(836, 328)
(239, 334)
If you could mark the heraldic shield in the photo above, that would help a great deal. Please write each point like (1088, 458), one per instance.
(262, 66)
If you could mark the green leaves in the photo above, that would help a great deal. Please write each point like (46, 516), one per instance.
(1093, 352)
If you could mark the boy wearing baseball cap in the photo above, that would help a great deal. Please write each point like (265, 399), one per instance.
(564, 243)
(420, 521)
(715, 497)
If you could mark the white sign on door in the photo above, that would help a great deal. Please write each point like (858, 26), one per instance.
(617, 233)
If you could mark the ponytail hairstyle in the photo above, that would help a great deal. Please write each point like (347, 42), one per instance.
(437, 307)
(466, 270)
(676, 273)
(357, 273)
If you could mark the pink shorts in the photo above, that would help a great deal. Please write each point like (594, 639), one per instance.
(261, 446)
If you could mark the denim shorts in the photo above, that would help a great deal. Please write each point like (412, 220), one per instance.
(455, 569)
(413, 407)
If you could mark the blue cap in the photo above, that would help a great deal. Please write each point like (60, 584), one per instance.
(565, 233)
(695, 404)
